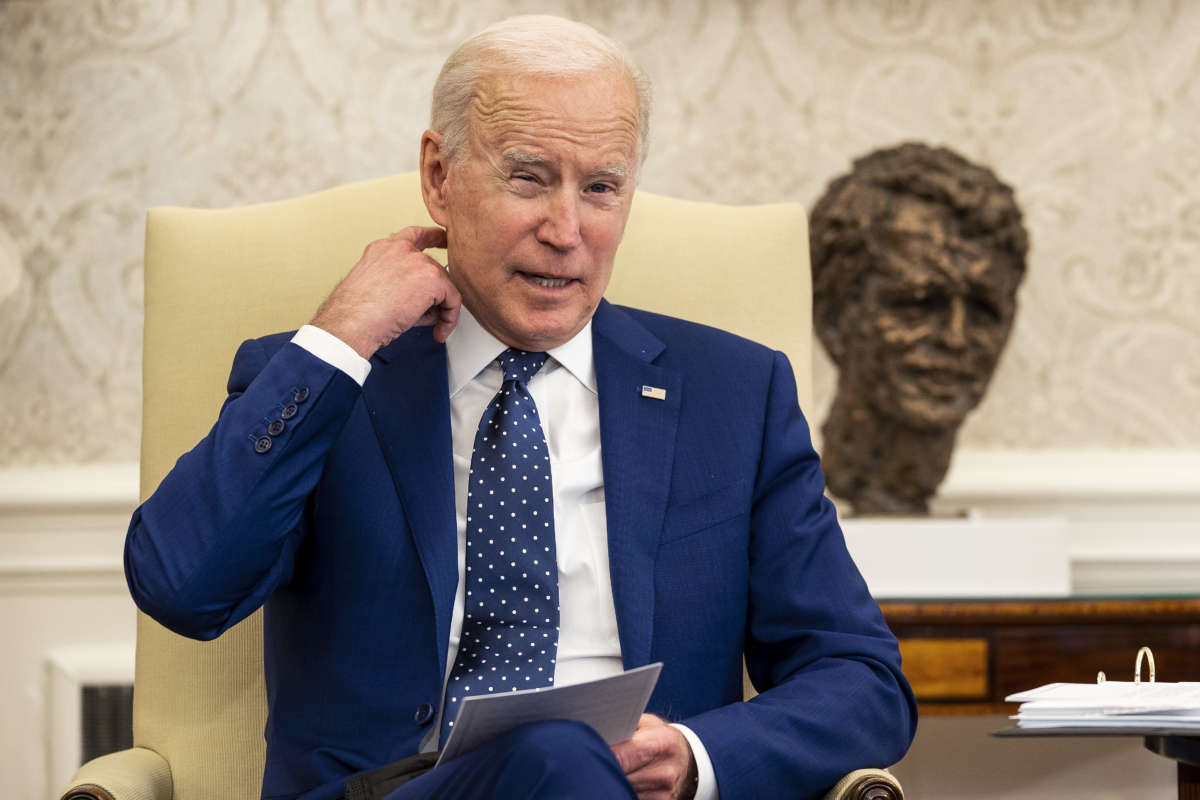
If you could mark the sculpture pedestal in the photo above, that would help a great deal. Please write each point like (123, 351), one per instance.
(920, 557)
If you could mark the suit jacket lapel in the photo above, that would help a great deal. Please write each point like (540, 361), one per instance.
(408, 402)
(638, 447)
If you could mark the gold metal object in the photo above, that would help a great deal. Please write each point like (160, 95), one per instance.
(1137, 665)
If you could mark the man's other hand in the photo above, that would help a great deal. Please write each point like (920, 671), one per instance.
(393, 287)
(658, 761)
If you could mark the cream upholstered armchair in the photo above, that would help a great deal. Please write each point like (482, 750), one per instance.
(217, 277)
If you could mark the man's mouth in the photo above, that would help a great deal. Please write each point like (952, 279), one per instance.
(546, 281)
(939, 380)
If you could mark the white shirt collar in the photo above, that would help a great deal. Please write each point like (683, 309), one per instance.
(471, 349)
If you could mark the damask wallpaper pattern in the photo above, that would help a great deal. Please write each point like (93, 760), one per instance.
(1090, 109)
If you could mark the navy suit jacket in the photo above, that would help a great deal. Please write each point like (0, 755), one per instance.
(721, 545)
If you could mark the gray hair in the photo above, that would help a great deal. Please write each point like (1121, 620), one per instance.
(532, 45)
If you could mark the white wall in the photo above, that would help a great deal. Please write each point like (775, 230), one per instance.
(1088, 109)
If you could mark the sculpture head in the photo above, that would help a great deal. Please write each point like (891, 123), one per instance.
(917, 255)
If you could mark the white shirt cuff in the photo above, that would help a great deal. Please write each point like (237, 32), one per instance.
(706, 786)
(333, 351)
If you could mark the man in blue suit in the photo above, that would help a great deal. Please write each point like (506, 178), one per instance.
(664, 501)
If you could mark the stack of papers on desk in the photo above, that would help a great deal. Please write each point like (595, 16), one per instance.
(1112, 704)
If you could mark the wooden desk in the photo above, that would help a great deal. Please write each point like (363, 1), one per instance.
(965, 656)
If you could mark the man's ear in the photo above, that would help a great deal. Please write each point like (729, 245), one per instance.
(435, 166)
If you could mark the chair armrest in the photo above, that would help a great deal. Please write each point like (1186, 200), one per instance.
(133, 774)
(867, 784)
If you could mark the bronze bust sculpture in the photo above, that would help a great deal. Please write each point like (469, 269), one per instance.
(917, 255)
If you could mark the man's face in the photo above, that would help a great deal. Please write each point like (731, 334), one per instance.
(535, 211)
(932, 320)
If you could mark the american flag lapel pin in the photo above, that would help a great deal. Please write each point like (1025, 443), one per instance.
(654, 393)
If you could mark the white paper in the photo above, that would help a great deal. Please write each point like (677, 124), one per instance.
(1117, 704)
(1149, 722)
(1114, 694)
(611, 706)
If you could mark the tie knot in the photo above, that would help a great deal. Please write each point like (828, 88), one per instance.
(520, 365)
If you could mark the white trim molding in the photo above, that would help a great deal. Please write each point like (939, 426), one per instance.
(66, 609)
(68, 670)
(1017, 476)
(1133, 516)
(62, 529)
(76, 488)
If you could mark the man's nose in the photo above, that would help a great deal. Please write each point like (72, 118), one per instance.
(559, 227)
(954, 331)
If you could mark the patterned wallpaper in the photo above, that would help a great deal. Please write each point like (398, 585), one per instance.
(1090, 108)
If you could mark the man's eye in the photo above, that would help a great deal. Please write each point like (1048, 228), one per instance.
(600, 188)
(984, 310)
(919, 302)
(523, 177)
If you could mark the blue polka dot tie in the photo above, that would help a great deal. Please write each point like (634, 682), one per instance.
(510, 622)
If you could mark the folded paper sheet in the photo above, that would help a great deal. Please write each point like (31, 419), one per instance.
(612, 706)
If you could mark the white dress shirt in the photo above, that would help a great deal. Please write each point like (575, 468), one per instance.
(568, 406)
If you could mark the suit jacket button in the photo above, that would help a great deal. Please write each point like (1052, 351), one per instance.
(275, 428)
(424, 714)
(289, 411)
(301, 394)
(262, 444)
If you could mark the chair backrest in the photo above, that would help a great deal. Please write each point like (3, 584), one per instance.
(217, 277)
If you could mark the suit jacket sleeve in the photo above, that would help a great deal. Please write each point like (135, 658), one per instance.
(832, 698)
(221, 531)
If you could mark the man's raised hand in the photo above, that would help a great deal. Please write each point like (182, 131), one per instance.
(393, 287)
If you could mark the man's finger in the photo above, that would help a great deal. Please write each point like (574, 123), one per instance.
(652, 777)
(422, 237)
(632, 755)
(638, 750)
(448, 319)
